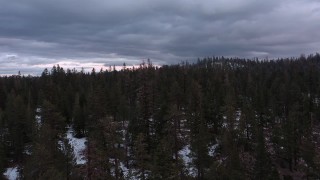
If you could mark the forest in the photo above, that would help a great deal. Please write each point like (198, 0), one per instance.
(215, 118)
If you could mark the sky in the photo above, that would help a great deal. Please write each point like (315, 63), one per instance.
(35, 34)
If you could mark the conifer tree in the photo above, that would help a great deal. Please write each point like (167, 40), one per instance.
(141, 157)
(47, 159)
(79, 117)
(263, 166)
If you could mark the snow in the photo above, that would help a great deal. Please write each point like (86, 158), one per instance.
(38, 117)
(124, 169)
(185, 154)
(238, 115)
(316, 101)
(61, 145)
(316, 133)
(132, 173)
(38, 110)
(78, 145)
(212, 149)
(224, 124)
(152, 130)
(27, 150)
(11, 173)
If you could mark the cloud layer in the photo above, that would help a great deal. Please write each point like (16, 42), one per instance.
(35, 34)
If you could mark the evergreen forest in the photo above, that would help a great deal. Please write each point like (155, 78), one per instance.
(216, 118)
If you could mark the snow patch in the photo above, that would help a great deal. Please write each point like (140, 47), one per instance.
(11, 173)
(124, 169)
(61, 145)
(38, 110)
(238, 115)
(27, 150)
(225, 125)
(38, 117)
(78, 145)
(212, 149)
(185, 154)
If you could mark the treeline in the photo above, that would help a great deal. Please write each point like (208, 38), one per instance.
(234, 118)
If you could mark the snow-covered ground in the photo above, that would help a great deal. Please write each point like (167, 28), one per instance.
(212, 149)
(28, 149)
(78, 145)
(38, 117)
(11, 173)
(185, 154)
(124, 170)
(132, 173)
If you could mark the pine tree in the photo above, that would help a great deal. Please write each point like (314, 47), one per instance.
(112, 140)
(199, 148)
(141, 157)
(47, 159)
(79, 117)
(16, 119)
(263, 166)
(165, 167)
(68, 162)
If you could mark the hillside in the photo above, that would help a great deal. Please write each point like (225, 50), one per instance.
(218, 118)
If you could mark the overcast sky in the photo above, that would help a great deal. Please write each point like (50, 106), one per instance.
(95, 33)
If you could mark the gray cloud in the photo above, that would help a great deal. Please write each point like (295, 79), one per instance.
(35, 34)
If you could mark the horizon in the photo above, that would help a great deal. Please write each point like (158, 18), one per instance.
(119, 67)
(37, 34)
